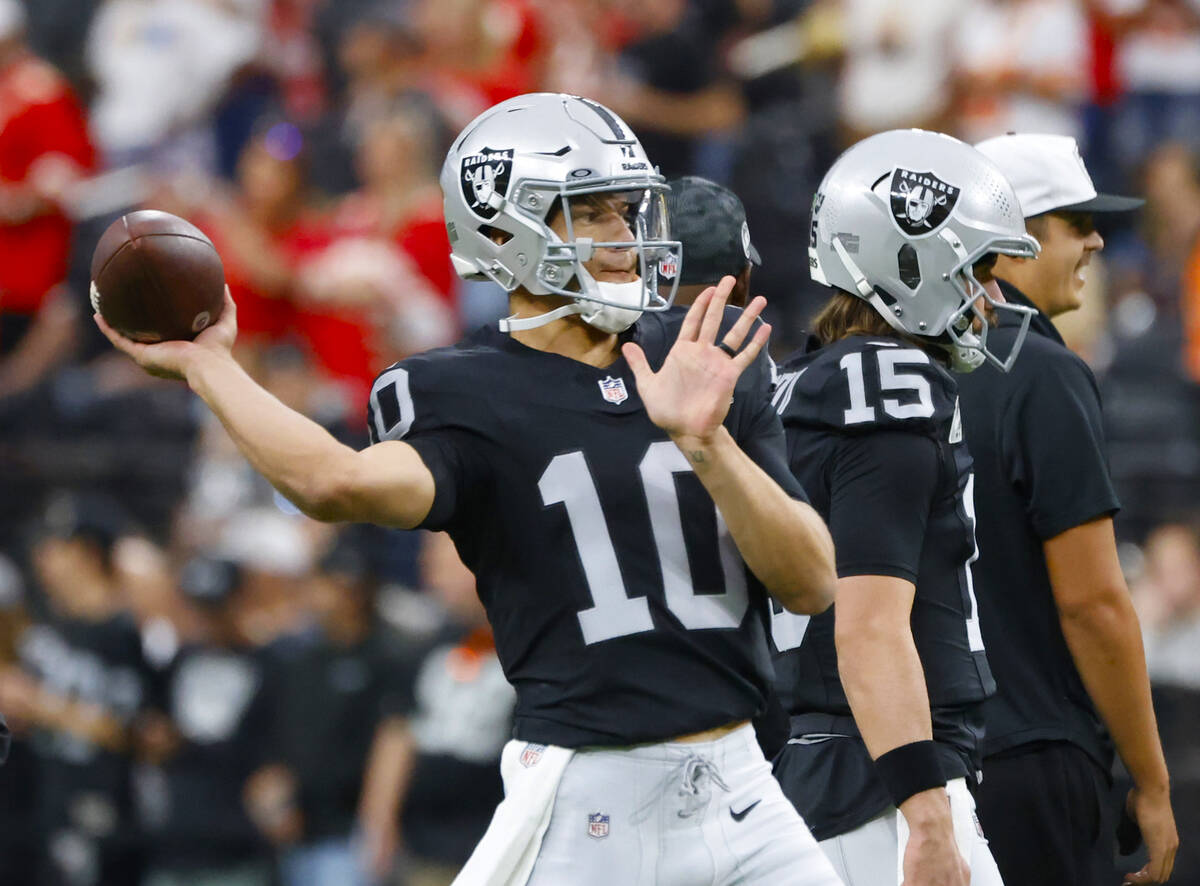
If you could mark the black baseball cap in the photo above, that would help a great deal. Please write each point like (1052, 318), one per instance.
(710, 222)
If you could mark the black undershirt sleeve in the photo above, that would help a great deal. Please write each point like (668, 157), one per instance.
(882, 485)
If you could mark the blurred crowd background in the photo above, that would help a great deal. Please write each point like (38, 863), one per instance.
(207, 688)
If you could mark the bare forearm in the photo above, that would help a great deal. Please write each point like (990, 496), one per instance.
(784, 542)
(294, 453)
(1102, 631)
(1106, 644)
(884, 684)
(387, 775)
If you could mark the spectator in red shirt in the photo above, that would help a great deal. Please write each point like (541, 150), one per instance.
(44, 150)
(384, 288)
(263, 230)
(400, 199)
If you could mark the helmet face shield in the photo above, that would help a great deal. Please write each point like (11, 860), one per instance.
(643, 210)
(516, 166)
(968, 326)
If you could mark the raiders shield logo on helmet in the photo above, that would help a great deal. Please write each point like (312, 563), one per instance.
(483, 174)
(921, 202)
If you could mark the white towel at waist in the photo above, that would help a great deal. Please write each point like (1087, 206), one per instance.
(505, 855)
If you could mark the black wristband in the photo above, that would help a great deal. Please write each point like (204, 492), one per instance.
(910, 769)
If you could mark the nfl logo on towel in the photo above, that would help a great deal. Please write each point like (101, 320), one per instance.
(598, 825)
(532, 754)
(613, 389)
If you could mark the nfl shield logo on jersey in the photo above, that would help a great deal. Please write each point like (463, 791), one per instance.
(613, 389)
(532, 754)
(598, 825)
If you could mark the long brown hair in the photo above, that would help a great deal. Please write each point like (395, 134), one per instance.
(845, 315)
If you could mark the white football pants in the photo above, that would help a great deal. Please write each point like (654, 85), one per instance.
(873, 854)
(677, 814)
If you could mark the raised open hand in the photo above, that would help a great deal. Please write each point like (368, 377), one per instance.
(690, 394)
(169, 359)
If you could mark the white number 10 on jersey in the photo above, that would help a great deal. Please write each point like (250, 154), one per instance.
(568, 481)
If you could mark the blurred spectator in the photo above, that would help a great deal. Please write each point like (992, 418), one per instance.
(263, 229)
(19, 835)
(213, 729)
(1168, 600)
(673, 89)
(160, 67)
(334, 688)
(888, 43)
(44, 151)
(789, 139)
(57, 32)
(292, 54)
(1156, 60)
(433, 779)
(377, 53)
(79, 686)
(476, 53)
(1152, 406)
(398, 163)
(1021, 66)
(1167, 596)
(383, 288)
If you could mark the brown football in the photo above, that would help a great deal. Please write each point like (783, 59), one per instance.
(156, 277)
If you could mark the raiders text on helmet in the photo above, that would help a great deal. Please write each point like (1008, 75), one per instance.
(527, 158)
(901, 218)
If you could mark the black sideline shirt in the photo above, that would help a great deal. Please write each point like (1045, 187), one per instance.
(1040, 469)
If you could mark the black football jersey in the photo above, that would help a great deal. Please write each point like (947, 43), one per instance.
(875, 438)
(622, 610)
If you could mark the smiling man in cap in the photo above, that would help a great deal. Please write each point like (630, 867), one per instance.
(1062, 637)
(710, 222)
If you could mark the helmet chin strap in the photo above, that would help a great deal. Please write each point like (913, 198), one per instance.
(608, 316)
(966, 353)
(864, 287)
(514, 323)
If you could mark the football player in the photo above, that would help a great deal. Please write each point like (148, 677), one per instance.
(616, 478)
(884, 690)
(1050, 585)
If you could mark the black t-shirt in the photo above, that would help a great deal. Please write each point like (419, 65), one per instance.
(1041, 468)
(683, 61)
(875, 438)
(622, 610)
(331, 699)
(97, 663)
(223, 703)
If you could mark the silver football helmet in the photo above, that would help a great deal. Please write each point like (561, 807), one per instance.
(524, 158)
(900, 220)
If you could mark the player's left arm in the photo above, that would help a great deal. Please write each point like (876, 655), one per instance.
(783, 541)
(882, 486)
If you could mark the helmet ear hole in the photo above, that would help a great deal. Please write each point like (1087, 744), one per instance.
(909, 266)
(494, 234)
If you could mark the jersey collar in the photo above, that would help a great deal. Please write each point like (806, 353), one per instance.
(1040, 324)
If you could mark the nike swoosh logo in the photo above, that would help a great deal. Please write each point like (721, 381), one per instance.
(738, 816)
